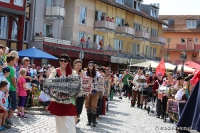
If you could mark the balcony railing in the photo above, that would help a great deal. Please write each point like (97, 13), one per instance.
(54, 12)
(142, 35)
(105, 26)
(197, 47)
(180, 47)
(157, 40)
(51, 40)
(125, 31)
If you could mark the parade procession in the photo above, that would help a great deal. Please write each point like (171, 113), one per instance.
(99, 66)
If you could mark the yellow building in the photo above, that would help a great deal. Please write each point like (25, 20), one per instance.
(140, 38)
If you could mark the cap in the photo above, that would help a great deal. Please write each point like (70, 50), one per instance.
(189, 77)
(6, 69)
(180, 77)
(159, 74)
(65, 56)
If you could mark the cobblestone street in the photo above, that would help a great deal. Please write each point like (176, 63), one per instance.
(120, 118)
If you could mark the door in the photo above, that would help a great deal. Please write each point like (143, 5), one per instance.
(194, 57)
(189, 44)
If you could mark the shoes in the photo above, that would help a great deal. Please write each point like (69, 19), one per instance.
(120, 97)
(23, 116)
(18, 114)
(8, 122)
(141, 106)
(158, 116)
(78, 121)
(2, 128)
(7, 126)
(145, 107)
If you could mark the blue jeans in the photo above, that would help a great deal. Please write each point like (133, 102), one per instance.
(13, 99)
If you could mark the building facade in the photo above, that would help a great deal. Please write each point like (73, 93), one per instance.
(182, 34)
(12, 23)
(69, 26)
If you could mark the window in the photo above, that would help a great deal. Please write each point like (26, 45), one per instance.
(47, 29)
(18, 2)
(137, 5)
(80, 35)
(119, 22)
(150, 51)
(118, 45)
(168, 40)
(154, 13)
(182, 40)
(196, 40)
(6, 1)
(137, 27)
(98, 15)
(164, 26)
(154, 32)
(14, 30)
(3, 26)
(97, 39)
(154, 52)
(120, 1)
(28, 1)
(26, 28)
(182, 57)
(83, 15)
(191, 23)
(136, 49)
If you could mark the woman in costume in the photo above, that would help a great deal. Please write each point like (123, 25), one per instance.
(184, 92)
(80, 99)
(92, 99)
(170, 82)
(64, 112)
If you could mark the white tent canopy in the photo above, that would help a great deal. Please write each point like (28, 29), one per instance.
(167, 66)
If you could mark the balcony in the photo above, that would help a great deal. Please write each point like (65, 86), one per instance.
(180, 47)
(51, 40)
(157, 40)
(125, 31)
(54, 12)
(104, 26)
(140, 35)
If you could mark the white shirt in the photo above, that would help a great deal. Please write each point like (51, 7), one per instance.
(136, 83)
(44, 97)
(34, 71)
(179, 94)
(2, 78)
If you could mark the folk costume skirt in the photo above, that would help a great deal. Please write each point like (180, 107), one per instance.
(65, 124)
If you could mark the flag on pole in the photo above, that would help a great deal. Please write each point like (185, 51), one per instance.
(175, 70)
(161, 67)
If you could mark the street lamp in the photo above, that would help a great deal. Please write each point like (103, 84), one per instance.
(168, 41)
(183, 62)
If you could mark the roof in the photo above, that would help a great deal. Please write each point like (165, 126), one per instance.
(179, 24)
(127, 8)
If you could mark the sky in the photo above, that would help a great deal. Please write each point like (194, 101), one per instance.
(177, 7)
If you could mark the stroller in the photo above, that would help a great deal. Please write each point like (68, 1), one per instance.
(151, 101)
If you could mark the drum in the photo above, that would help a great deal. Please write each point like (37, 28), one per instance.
(174, 108)
(86, 85)
(63, 88)
(171, 93)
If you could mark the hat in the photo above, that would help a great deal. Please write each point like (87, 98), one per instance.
(91, 62)
(180, 77)
(159, 74)
(189, 77)
(49, 65)
(65, 56)
(6, 69)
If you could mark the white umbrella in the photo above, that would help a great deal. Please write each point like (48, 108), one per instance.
(146, 64)
(186, 68)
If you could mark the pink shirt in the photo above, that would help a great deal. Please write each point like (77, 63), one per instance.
(21, 89)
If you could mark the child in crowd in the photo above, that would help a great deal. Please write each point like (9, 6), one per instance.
(22, 87)
(3, 96)
(6, 73)
(44, 100)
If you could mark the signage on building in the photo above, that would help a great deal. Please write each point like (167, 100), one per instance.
(125, 60)
(114, 59)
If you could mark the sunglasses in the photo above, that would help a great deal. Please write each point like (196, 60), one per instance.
(27, 60)
(64, 61)
(90, 65)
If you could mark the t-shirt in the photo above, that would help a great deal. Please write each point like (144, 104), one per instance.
(21, 89)
(34, 71)
(126, 78)
(2, 99)
(44, 97)
(12, 75)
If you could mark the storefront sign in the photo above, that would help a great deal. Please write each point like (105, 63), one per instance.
(114, 59)
(119, 60)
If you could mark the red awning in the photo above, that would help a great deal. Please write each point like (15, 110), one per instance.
(192, 64)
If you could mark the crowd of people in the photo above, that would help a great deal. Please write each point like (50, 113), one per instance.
(17, 82)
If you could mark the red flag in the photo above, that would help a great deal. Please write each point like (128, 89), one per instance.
(161, 67)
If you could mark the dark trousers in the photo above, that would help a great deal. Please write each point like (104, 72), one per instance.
(125, 88)
(164, 106)
(158, 107)
(100, 106)
(79, 104)
(134, 95)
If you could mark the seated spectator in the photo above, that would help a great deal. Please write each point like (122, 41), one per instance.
(102, 17)
(44, 100)
(127, 24)
(108, 18)
(112, 19)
